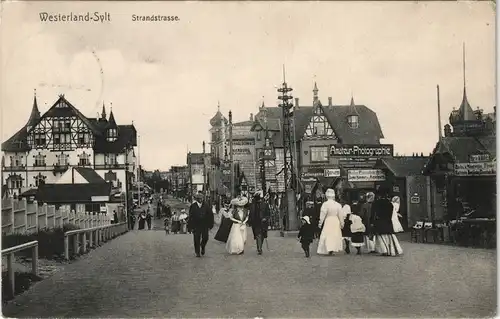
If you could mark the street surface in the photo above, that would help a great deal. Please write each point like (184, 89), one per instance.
(149, 274)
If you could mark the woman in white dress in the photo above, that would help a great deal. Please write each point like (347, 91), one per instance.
(331, 219)
(395, 215)
(237, 236)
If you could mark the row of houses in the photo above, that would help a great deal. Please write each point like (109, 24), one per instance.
(64, 157)
(341, 147)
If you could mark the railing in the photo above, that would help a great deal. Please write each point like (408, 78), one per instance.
(10, 261)
(97, 235)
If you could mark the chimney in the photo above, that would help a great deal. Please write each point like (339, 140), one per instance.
(296, 102)
(251, 116)
(330, 104)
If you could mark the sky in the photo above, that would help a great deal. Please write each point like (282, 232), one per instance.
(167, 77)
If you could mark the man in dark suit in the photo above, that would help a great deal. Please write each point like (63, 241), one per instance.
(259, 219)
(200, 221)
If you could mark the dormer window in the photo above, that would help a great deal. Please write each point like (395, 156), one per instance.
(112, 134)
(353, 121)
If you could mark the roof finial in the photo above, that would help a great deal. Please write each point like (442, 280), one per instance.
(218, 106)
(315, 92)
(263, 104)
(284, 77)
(463, 62)
(103, 113)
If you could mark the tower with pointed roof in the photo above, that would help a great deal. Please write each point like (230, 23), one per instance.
(35, 114)
(111, 128)
(465, 121)
(353, 115)
(218, 125)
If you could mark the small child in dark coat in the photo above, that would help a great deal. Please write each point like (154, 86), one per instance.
(306, 234)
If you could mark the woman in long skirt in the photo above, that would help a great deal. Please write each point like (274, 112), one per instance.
(142, 221)
(398, 228)
(225, 224)
(237, 237)
(331, 219)
(366, 216)
(346, 229)
(386, 242)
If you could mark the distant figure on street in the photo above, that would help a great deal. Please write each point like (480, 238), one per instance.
(166, 225)
(366, 217)
(142, 220)
(331, 219)
(346, 229)
(132, 220)
(396, 224)
(115, 217)
(238, 235)
(386, 242)
(357, 232)
(183, 218)
(259, 219)
(176, 225)
(201, 220)
(148, 219)
(306, 234)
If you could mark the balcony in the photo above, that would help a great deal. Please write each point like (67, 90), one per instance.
(14, 168)
(60, 168)
(110, 166)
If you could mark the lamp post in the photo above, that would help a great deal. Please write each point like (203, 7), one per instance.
(231, 163)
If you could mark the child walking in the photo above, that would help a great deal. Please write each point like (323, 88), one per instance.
(306, 234)
(357, 232)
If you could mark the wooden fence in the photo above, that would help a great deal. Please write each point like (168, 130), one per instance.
(19, 216)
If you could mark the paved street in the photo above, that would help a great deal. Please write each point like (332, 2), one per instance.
(149, 274)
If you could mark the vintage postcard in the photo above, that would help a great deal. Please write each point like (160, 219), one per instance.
(233, 159)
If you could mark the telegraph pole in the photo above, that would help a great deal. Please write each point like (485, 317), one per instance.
(288, 170)
(231, 152)
(191, 174)
(204, 171)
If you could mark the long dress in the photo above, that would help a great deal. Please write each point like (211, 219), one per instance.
(142, 222)
(237, 236)
(331, 220)
(398, 228)
(386, 242)
(225, 227)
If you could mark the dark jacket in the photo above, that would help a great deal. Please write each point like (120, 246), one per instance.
(258, 217)
(306, 233)
(200, 217)
(366, 215)
(381, 218)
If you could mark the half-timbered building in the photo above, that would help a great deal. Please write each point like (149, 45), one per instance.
(49, 144)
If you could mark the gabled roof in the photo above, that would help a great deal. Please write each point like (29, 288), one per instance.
(89, 174)
(405, 165)
(244, 123)
(368, 132)
(71, 193)
(127, 134)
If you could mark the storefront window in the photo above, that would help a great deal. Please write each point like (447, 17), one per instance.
(319, 153)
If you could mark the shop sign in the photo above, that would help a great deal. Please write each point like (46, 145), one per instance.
(365, 175)
(476, 169)
(479, 158)
(362, 150)
(415, 200)
(332, 172)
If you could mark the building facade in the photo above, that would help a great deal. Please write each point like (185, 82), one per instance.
(49, 144)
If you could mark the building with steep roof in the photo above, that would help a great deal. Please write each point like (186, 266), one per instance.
(333, 142)
(462, 166)
(49, 145)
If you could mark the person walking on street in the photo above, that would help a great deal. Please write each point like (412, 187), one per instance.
(366, 217)
(259, 219)
(148, 219)
(201, 220)
(331, 220)
(132, 220)
(306, 234)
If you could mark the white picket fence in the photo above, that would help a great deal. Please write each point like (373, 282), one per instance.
(20, 217)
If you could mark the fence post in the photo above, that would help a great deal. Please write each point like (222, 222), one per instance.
(75, 244)
(91, 239)
(84, 242)
(12, 219)
(45, 209)
(34, 261)
(25, 208)
(66, 247)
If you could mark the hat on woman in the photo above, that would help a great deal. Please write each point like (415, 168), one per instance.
(396, 199)
(306, 218)
(239, 201)
(370, 196)
(259, 193)
(330, 193)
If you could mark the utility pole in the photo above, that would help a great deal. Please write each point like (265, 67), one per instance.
(204, 171)
(231, 163)
(191, 174)
(288, 170)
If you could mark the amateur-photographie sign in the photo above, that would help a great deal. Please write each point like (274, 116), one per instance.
(476, 169)
(362, 150)
(365, 175)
